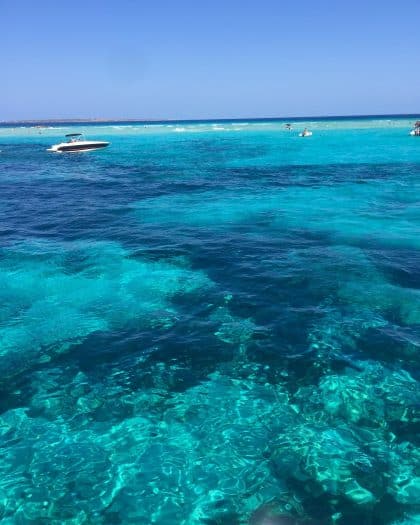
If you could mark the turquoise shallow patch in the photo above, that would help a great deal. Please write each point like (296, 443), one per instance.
(49, 306)
(346, 212)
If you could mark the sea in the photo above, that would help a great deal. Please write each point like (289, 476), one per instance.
(211, 323)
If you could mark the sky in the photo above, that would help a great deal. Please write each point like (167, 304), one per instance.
(185, 59)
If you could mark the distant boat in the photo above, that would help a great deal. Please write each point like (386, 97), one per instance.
(416, 130)
(305, 133)
(76, 143)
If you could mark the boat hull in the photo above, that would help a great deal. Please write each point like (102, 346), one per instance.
(78, 146)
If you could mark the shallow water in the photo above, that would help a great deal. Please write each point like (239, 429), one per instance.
(208, 320)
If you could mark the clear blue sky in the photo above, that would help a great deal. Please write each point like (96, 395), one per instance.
(208, 59)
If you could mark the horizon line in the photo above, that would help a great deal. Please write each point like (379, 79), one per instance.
(82, 120)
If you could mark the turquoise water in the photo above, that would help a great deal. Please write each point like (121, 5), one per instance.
(211, 323)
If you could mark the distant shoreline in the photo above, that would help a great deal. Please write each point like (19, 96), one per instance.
(42, 122)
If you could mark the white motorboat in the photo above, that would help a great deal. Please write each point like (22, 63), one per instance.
(77, 143)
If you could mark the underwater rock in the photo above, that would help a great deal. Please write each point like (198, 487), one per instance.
(267, 515)
(404, 481)
(409, 519)
(360, 460)
(370, 394)
(315, 452)
(273, 519)
(231, 329)
(336, 336)
(54, 304)
(45, 461)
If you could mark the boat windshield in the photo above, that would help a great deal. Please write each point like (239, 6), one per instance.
(73, 137)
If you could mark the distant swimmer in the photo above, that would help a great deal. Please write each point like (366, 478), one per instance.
(288, 126)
